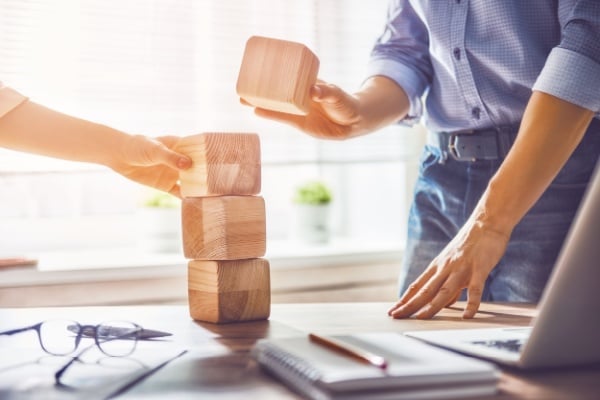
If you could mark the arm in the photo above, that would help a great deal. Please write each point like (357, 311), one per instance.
(550, 131)
(33, 128)
(399, 70)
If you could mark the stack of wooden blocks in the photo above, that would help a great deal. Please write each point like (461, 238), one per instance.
(224, 231)
(223, 218)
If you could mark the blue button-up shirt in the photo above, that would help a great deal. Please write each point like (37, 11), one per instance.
(474, 63)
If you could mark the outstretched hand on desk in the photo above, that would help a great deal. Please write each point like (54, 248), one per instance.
(464, 263)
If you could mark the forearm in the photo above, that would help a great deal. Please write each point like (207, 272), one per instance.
(36, 129)
(381, 103)
(550, 131)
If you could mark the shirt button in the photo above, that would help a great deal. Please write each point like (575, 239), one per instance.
(456, 53)
(476, 112)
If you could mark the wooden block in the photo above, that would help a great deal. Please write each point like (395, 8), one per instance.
(277, 75)
(223, 164)
(223, 228)
(229, 291)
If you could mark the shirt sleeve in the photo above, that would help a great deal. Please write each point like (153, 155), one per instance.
(9, 99)
(572, 70)
(401, 53)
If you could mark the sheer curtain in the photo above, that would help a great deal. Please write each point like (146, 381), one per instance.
(170, 67)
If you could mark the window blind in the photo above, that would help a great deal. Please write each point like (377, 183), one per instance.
(170, 66)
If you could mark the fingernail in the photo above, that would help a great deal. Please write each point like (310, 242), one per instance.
(184, 163)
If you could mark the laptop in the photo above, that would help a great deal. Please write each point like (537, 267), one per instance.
(566, 331)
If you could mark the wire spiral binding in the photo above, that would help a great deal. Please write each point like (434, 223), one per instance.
(291, 369)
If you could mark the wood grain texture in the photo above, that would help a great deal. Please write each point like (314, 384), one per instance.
(229, 291)
(223, 164)
(277, 75)
(223, 227)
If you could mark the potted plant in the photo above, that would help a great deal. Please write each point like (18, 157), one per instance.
(312, 200)
(159, 221)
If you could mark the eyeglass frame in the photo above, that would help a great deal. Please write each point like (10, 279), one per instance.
(83, 330)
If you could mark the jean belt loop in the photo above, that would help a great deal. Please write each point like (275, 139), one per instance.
(439, 141)
(442, 139)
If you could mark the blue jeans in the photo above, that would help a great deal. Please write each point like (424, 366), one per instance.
(446, 193)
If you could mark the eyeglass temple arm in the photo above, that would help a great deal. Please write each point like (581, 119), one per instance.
(19, 330)
(58, 374)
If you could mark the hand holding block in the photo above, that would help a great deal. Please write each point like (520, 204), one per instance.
(223, 164)
(223, 228)
(229, 291)
(277, 75)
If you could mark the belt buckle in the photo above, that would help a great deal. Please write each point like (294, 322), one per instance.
(453, 144)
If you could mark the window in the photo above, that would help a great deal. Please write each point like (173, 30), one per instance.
(170, 67)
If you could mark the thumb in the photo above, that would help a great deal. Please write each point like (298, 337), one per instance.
(327, 93)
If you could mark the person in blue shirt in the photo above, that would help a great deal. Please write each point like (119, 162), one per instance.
(509, 92)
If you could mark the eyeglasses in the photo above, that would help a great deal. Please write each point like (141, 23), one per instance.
(62, 337)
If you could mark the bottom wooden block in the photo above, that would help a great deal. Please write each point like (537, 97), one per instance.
(229, 291)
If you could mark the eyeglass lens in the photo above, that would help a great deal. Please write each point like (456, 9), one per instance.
(117, 338)
(59, 336)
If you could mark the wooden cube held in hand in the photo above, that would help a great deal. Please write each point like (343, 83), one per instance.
(277, 75)
(229, 291)
(223, 228)
(223, 164)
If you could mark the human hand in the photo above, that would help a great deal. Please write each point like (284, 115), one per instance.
(152, 162)
(464, 263)
(333, 114)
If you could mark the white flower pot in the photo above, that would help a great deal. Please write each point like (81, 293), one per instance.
(312, 223)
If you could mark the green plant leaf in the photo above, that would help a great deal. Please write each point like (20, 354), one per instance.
(161, 200)
(314, 192)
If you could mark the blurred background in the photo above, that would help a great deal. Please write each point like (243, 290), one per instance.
(160, 67)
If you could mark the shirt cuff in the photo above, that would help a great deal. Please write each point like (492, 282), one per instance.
(9, 99)
(406, 78)
(572, 77)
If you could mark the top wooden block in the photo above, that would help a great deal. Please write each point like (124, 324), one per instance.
(223, 164)
(277, 75)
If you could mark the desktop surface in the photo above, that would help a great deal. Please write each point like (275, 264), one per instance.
(218, 366)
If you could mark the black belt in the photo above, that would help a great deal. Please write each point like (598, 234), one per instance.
(474, 145)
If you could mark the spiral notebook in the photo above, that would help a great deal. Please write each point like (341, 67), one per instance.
(415, 370)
